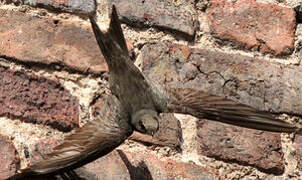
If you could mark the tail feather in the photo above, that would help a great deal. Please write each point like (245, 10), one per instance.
(116, 30)
(112, 42)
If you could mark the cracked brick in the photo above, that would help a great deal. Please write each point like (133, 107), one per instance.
(258, 83)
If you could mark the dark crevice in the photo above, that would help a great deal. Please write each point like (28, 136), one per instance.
(207, 74)
(141, 171)
(56, 21)
(95, 99)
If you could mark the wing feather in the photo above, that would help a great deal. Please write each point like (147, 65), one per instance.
(95, 139)
(205, 105)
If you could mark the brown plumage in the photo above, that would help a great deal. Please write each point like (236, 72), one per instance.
(204, 105)
(137, 102)
(109, 128)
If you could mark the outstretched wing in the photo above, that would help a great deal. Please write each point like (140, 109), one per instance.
(95, 139)
(204, 105)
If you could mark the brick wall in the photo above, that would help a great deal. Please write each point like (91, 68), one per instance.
(52, 75)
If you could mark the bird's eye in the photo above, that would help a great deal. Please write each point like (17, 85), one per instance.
(142, 127)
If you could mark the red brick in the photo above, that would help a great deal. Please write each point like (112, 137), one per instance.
(255, 82)
(265, 27)
(8, 157)
(50, 41)
(37, 100)
(71, 6)
(126, 165)
(298, 147)
(241, 145)
(156, 13)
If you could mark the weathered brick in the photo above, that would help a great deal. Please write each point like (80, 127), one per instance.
(265, 27)
(296, 5)
(238, 77)
(258, 83)
(298, 147)
(71, 6)
(241, 145)
(8, 157)
(37, 100)
(156, 13)
(126, 165)
(50, 41)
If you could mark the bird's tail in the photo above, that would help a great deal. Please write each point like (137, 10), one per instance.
(112, 42)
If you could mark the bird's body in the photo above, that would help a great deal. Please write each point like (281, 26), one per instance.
(137, 102)
(126, 82)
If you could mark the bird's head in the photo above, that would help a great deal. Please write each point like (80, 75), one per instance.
(146, 121)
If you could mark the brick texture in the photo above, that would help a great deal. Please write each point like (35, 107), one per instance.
(71, 6)
(37, 100)
(255, 82)
(241, 145)
(156, 13)
(258, 83)
(257, 26)
(298, 147)
(31, 39)
(126, 165)
(9, 158)
(49, 40)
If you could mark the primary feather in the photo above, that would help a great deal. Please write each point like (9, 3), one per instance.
(205, 105)
(108, 130)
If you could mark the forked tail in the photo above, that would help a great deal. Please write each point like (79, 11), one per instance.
(112, 43)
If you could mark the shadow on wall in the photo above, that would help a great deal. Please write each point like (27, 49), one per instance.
(140, 171)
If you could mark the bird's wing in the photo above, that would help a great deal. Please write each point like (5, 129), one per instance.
(204, 105)
(108, 130)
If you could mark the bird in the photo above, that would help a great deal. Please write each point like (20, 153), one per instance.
(135, 104)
